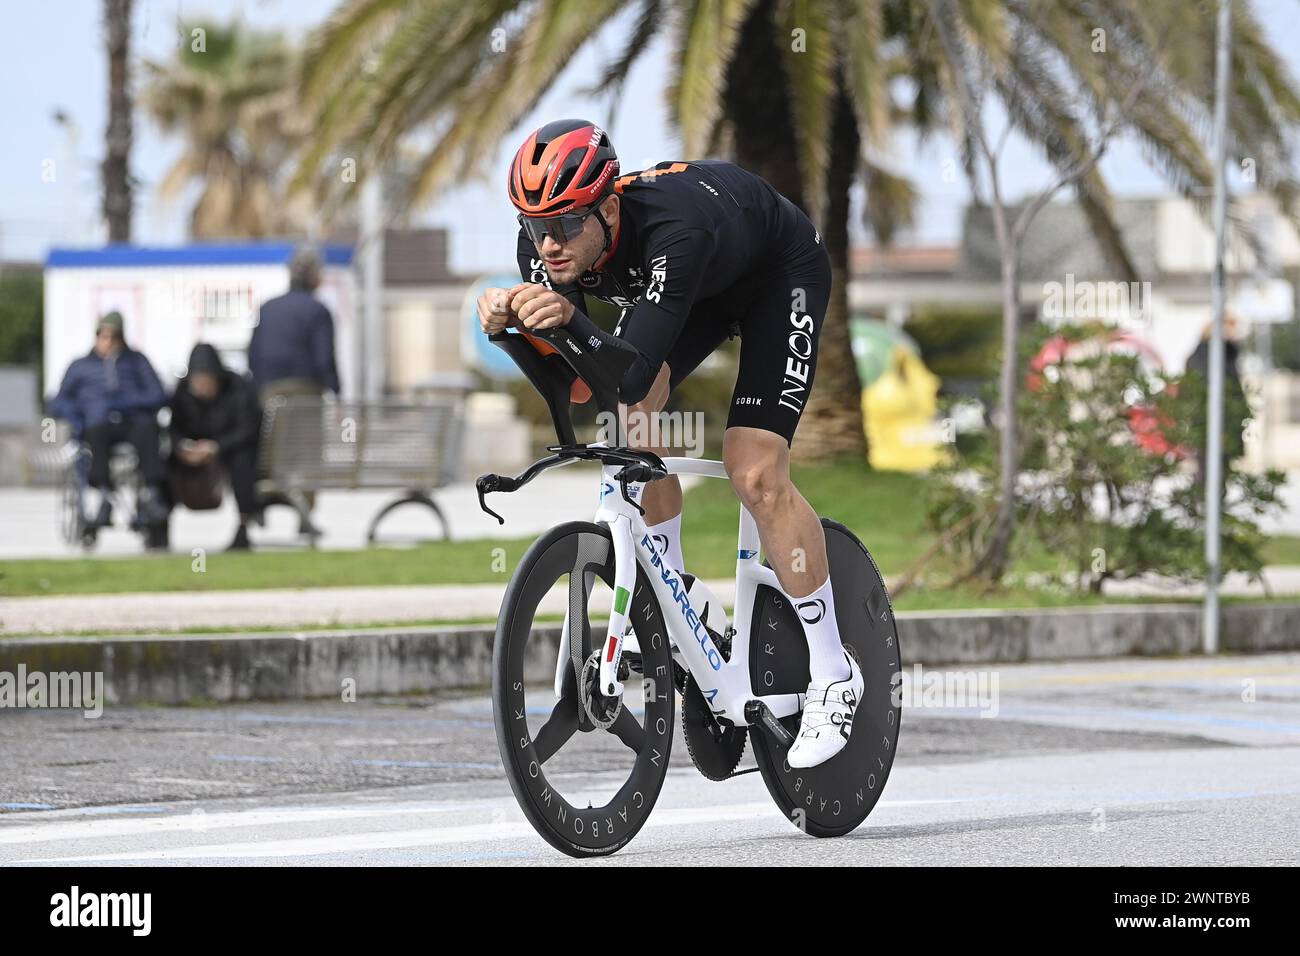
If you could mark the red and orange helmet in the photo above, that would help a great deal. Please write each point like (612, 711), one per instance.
(565, 165)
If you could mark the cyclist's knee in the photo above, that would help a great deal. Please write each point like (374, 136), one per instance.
(760, 484)
(757, 463)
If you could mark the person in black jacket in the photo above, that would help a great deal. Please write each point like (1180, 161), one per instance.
(215, 417)
(1235, 408)
(291, 353)
(292, 348)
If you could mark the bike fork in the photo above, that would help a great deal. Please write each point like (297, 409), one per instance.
(612, 648)
(563, 656)
(624, 583)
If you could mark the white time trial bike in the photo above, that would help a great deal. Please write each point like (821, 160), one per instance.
(584, 713)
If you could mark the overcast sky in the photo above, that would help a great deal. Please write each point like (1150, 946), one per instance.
(52, 58)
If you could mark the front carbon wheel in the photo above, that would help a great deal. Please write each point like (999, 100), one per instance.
(586, 769)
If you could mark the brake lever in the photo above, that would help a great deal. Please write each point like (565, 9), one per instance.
(622, 483)
(635, 471)
(485, 485)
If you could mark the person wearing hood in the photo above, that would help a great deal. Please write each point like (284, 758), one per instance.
(216, 419)
(1236, 408)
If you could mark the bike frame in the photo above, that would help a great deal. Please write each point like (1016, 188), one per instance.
(725, 683)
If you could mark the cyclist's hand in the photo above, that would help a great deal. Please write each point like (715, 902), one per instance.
(539, 307)
(494, 310)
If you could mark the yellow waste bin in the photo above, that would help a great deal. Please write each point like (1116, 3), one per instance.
(899, 409)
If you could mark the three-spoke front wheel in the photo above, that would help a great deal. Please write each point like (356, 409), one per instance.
(586, 769)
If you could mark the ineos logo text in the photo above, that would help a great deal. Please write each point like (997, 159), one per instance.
(797, 369)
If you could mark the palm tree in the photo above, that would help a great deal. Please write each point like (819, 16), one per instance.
(794, 89)
(229, 93)
(116, 171)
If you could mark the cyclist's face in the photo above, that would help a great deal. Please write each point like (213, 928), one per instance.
(566, 261)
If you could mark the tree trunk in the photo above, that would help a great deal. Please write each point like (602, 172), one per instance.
(832, 421)
(997, 556)
(117, 204)
(757, 103)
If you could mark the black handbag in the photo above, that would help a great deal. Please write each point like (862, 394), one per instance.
(198, 488)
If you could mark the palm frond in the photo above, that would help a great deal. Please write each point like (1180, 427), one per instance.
(807, 33)
(611, 83)
(706, 35)
(891, 202)
(335, 51)
(861, 34)
(493, 102)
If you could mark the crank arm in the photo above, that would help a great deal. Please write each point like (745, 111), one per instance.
(756, 712)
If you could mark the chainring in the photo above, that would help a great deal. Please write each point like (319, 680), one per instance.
(716, 754)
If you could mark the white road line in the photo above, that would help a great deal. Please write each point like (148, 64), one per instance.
(434, 836)
(201, 821)
(197, 822)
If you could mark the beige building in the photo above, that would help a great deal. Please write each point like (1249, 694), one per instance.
(428, 324)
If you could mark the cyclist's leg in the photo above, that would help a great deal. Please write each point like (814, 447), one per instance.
(758, 463)
(778, 357)
(662, 500)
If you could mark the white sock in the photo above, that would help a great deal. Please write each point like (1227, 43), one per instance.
(826, 661)
(667, 537)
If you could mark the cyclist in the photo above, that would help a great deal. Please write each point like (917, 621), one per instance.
(694, 253)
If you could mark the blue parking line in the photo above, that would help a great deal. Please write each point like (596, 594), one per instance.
(105, 811)
(27, 806)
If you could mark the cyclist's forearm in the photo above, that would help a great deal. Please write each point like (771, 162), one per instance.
(640, 374)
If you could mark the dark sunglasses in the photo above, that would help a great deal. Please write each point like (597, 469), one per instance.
(561, 228)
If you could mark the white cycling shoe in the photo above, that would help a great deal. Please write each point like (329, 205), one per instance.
(827, 718)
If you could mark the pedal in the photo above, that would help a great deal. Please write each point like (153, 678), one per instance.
(756, 712)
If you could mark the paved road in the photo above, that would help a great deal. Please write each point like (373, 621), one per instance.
(1117, 762)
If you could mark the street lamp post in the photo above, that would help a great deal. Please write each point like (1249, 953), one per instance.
(1214, 411)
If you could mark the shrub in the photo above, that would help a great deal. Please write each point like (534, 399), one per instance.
(958, 342)
(21, 332)
(1098, 501)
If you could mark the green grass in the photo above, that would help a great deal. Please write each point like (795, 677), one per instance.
(885, 510)
(1282, 549)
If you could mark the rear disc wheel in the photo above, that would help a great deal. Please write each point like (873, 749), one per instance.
(834, 798)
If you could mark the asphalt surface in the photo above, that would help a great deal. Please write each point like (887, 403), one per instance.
(1132, 762)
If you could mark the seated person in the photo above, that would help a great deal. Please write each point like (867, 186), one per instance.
(113, 395)
(216, 418)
